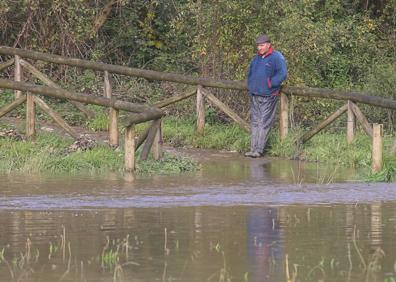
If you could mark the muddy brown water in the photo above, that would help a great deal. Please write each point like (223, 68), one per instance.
(234, 220)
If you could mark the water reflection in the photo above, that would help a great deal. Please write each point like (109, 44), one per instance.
(265, 246)
(316, 243)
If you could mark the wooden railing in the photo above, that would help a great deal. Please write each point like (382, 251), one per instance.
(141, 113)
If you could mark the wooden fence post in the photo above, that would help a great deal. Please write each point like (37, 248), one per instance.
(157, 145)
(148, 144)
(376, 165)
(113, 113)
(350, 123)
(200, 111)
(129, 158)
(284, 116)
(30, 115)
(17, 74)
(393, 149)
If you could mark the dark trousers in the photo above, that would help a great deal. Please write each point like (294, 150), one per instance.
(262, 111)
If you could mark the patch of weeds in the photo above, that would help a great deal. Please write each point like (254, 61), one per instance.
(326, 147)
(179, 133)
(7, 97)
(387, 173)
(50, 153)
(96, 159)
(101, 120)
(169, 164)
(287, 148)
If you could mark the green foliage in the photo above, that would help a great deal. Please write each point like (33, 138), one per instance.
(49, 153)
(110, 258)
(169, 164)
(101, 120)
(328, 44)
(387, 173)
(327, 147)
(287, 148)
(216, 136)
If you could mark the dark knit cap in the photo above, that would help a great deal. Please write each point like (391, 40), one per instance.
(262, 39)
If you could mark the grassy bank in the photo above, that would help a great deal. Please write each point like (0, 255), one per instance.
(49, 153)
(325, 147)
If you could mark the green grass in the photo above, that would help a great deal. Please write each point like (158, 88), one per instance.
(49, 153)
(179, 133)
(101, 120)
(330, 148)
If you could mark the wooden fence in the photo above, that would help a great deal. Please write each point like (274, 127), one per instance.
(142, 113)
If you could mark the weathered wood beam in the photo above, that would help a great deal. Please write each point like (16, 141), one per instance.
(30, 115)
(148, 74)
(341, 95)
(204, 81)
(150, 139)
(174, 99)
(393, 149)
(113, 113)
(57, 118)
(324, 123)
(143, 136)
(145, 110)
(163, 104)
(142, 117)
(129, 148)
(376, 156)
(6, 64)
(351, 123)
(227, 110)
(17, 74)
(200, 110)
(362, 119)
(8, 108)
(157, 149)
(284, 116)
(45, 79)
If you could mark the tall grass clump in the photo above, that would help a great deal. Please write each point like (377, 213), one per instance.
(101, 120)
(387, 173)
(333, 148)
(169, 164)
(49, 153)
(230, 137)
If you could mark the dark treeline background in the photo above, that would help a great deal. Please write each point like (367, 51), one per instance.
(343, 44)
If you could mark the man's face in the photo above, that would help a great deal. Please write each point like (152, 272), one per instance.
(262, 48)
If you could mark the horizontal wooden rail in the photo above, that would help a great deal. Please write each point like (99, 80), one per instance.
(46, 80)
(148, 74)
(145, 113)
(341, 95)
(360, 97)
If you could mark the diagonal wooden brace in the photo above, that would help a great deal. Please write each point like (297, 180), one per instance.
(150, 139)
(46, 80)
(57, 118)
(362, 119)
(6, 109)
(324, 123)
(227, 110)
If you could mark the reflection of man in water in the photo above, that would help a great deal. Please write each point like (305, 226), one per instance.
(264, 247)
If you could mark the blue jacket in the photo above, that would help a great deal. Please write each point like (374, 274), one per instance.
(266, 73)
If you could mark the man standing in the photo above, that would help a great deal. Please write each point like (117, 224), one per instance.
(267, 71)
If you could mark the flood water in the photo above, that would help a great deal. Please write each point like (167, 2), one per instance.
(234, 220)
